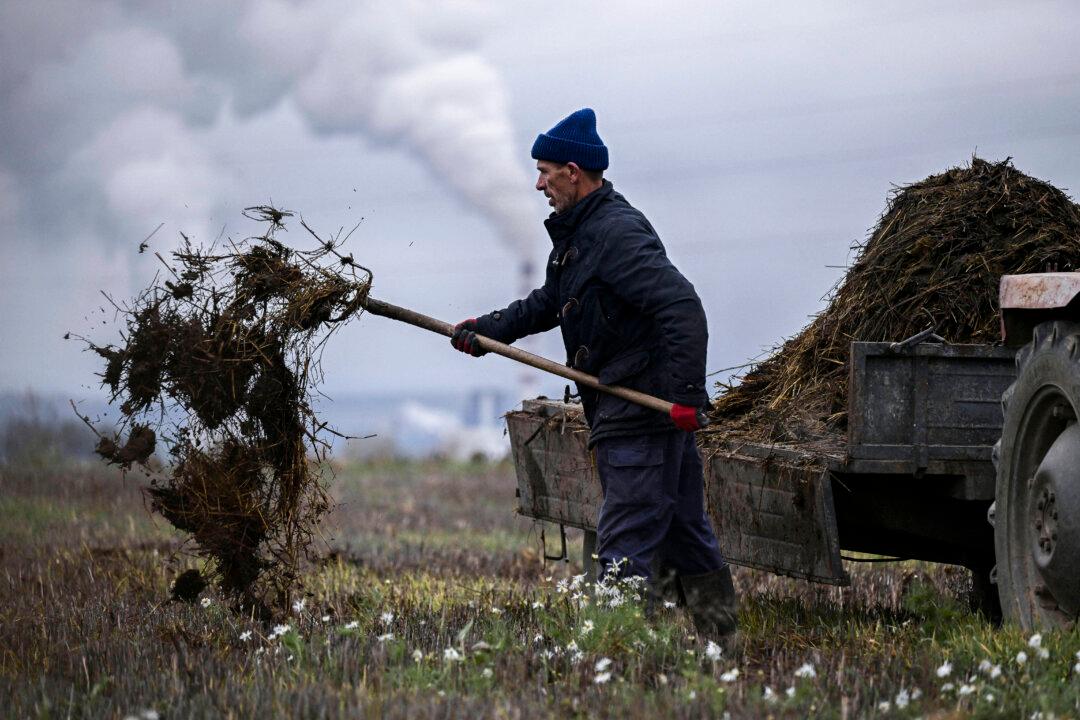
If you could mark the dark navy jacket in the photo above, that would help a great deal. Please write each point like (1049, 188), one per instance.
(626, 314)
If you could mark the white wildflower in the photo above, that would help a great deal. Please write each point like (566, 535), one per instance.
(1021, 657)
(947, 687)
(578, 597)
(385, 637)
(571, 647)
(352, 624)
(587, 627)
(496, 611)
(602, 664)
(548, 654)
(713, 651)
(730, 676)
(451, 655)
(903, 698)
(806, 670)
(539, 638)
(945, 669)
(205, 602)
(790, 692)
(298, 606)
(692, 695)
(768, 695)
(995, 672)
(916, 694)
(602, 678)
(989, 697)
(387, 618)
(985, 665)
(1035, 641)
(577, 657)
(561, 587)
(418, 655)
(576, 581)
(1076, 668)
(884, 706)
(538, 605)
(668, 604)
(279, 630)
(965, 690)
(246, 635)
(487, 672)
(480, 645)
(326, 618)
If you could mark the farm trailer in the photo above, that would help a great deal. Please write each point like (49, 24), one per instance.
(958, 454)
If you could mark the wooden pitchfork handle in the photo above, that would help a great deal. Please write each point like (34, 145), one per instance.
(385, 309)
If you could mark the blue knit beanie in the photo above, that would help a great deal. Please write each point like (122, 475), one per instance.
(573, 140)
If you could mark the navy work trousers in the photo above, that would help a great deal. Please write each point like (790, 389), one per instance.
(654, 506)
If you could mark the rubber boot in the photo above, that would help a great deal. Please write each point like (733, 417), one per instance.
(713, 606)
(662, 590)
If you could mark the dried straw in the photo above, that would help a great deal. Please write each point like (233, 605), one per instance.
(934, 260)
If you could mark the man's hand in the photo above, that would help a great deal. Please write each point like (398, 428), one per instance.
(688, 418)
(465, 338)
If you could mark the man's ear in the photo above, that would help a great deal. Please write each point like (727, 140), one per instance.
(575, 171)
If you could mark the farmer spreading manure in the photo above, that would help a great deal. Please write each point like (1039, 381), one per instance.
(219, 361)
(934, 261)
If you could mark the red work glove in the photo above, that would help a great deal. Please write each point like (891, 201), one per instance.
(688, 418)
(464, 338)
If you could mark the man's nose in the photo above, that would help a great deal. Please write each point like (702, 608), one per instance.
(540, 184)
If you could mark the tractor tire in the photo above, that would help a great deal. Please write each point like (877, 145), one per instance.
(1036, 514)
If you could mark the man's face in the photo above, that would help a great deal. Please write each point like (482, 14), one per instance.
(556, 184)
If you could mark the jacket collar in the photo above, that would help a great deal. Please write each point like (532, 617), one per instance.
(562, 225)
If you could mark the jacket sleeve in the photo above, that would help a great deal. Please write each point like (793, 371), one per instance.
(533, 314)
(636, 267)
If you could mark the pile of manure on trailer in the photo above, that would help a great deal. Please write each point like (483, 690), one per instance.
(219, 362)
(933, 261)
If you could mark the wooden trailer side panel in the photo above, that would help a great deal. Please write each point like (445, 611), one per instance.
(768, 513)
(556, 477)
(775, 515)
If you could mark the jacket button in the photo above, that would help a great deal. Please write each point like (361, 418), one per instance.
(496, 315)
(570, 305)
(690, 388)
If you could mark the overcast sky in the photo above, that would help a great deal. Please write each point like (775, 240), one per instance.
(761, 139)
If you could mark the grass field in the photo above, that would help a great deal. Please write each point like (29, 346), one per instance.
(435, 603)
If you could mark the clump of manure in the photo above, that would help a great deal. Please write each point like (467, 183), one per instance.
(219, 362)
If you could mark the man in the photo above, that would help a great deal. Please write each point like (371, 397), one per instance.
(628, 316)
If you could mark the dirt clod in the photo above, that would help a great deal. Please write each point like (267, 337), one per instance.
(188, 585)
